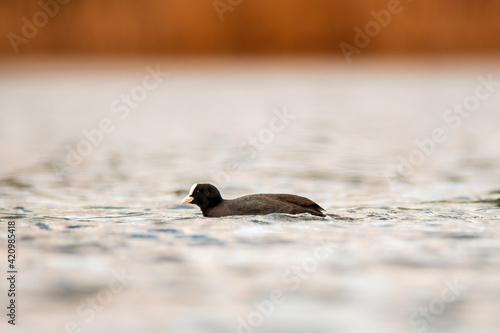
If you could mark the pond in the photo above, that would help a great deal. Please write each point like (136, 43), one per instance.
(404, 156)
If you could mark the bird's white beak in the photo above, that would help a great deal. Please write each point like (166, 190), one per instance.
(186, 200)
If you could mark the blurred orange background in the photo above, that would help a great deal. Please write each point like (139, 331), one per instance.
(208, 27)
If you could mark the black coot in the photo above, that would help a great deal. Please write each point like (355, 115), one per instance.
(208, 198)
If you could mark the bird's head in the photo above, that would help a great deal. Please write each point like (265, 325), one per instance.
(203, 195)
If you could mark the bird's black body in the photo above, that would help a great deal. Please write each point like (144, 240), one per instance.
(208, 198)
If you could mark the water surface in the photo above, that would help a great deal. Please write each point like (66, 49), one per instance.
(394, 242)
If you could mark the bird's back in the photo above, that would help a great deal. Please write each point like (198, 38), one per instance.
(262, 204)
